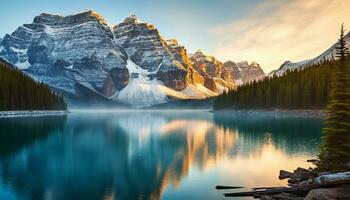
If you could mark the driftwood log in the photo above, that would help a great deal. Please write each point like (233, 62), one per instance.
(222, 187)
(333, 179)
(302, 191)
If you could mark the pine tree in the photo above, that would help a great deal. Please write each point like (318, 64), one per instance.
(342, 50)
(335, 150)
(20, 92)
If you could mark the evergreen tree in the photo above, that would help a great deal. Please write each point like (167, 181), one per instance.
(342, 50)
(307, 88)
(335, 150)
(20, 92)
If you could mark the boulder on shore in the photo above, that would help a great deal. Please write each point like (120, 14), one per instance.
(342, 192)
(299, 175)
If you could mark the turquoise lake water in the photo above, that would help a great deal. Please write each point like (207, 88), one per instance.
(148, 154)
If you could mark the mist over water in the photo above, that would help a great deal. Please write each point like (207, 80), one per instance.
(149, 154)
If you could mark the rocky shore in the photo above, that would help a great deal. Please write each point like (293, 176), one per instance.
(302, 184)
(308, 185)
(277, 112)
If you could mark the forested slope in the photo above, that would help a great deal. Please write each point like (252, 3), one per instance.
(20, 92)
(307, 88)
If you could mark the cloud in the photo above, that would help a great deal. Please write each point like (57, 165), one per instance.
(278, 30)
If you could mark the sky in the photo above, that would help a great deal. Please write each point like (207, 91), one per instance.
(267, 31)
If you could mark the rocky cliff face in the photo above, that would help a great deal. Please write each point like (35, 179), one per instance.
(235, 72)
(250, 72)
(230, 73)
(68, 53)
(243, 72)
(80, 55)
(215, 74)
(150, 51)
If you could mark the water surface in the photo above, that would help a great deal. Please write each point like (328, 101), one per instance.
(149, 155)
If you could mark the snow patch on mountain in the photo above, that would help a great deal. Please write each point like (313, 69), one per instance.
(23, 65)
(192, 91)
(198, 90)
(141, 90)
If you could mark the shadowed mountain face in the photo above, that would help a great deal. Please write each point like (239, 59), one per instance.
(163, 155)
(83, 57)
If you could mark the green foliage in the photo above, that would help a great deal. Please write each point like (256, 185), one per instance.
(335, 150)
(299, 89)
(20, 92)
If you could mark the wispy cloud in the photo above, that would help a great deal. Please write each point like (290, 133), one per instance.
(279, 30)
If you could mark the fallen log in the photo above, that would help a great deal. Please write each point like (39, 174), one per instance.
(265, 188)
(295, 190)
(312, 160)
(223, 187)
(333, 179)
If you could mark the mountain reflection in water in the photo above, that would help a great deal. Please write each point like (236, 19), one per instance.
(149, 155)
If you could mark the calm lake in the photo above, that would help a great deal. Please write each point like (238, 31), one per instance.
(149, 155)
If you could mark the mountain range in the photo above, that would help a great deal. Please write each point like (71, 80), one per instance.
(86, 59)
(329, 54)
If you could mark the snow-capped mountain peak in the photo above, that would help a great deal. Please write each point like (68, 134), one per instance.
(77, 18)
(133, 19)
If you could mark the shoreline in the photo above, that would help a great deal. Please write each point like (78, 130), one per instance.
(302, 184)
(279, 112)
(24, 113)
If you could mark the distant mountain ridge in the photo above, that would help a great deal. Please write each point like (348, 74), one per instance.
(83, 57)
(329, 54)
(241, 72)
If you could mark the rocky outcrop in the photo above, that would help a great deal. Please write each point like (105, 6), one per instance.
(214, 72)
(180, 54)
(336, 193)
(233, 69)
(250, 72)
